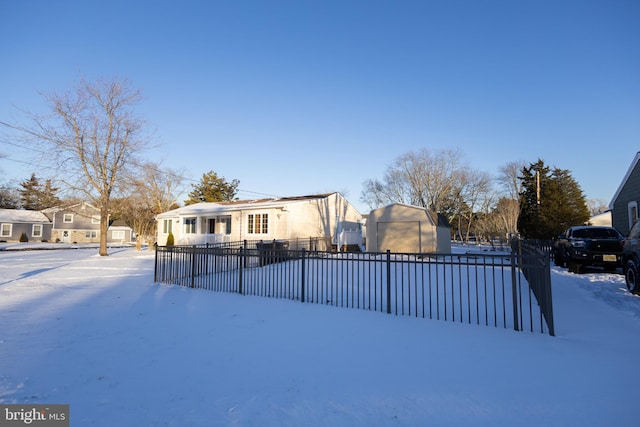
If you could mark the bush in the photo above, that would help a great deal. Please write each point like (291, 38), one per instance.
(170, 239)
(23, 237)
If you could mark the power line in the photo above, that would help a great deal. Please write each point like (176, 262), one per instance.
(184, 178)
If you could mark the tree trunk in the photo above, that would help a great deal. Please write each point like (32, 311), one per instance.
(104, 227)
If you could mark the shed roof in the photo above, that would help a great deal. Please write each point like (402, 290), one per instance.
(437, 219)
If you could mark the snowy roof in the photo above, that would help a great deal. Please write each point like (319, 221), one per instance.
(22, 216)
(236, 205)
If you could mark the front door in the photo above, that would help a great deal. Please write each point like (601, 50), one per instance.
(66, 236)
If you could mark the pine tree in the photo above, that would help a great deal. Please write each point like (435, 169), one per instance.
(212, 188)
(33, 196)
(551, 201)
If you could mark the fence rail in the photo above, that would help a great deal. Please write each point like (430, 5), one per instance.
(484, 289)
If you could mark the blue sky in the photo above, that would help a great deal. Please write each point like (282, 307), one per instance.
(301, 97)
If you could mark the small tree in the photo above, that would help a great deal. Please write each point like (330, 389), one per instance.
(170, 241)
(23, 237)
(212, 188)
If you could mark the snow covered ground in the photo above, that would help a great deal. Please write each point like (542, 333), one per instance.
(98, 334)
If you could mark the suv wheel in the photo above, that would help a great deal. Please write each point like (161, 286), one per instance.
(631, 277)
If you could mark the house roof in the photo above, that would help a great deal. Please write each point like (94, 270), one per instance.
(212, 207)
(635, 161)
(75, 207)
(22, 216)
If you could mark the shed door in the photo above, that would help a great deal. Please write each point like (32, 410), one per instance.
(401, 236)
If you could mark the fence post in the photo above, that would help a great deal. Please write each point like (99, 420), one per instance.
(303, 274)
(155, 268)
(241, 262)
(514, 286)
(193, 266)
(548, 296)
(388, 281)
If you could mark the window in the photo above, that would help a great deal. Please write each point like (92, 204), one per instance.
(36, 230)
(190, 225)
(5, 230)
(91, 234)
(117, 234)
(167, 226)
(67, 218)
(258, 224)
(225, 224)
(632, 209)
(95, 219)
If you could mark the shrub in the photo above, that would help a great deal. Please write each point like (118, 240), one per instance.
(170, 239)
(23, 237)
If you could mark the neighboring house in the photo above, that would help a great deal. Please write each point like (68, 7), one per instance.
(79, 223)
(404, 228)
(601, 219)
(328, 216)
(624, 205)
(34, 224)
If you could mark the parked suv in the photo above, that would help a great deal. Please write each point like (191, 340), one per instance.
(631, 258)
(588, 245)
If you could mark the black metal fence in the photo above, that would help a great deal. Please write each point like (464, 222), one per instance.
(501, 290)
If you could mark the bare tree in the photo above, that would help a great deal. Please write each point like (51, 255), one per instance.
(476, 194)
(93, 134)
(152, 191)
(509, 178)
(508, 208)
(597, 206)
(422, 178)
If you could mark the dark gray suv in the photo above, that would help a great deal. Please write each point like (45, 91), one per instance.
(588, 245)
(631, 258)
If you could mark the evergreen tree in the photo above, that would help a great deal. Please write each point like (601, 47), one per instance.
(34, 196)
(550, 201)
(212, 188)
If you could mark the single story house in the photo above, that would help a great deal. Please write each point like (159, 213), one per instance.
(410, 229)
(624, 205)
(35, 225)
(327, 216)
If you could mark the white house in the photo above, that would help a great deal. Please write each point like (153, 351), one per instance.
(328, 216)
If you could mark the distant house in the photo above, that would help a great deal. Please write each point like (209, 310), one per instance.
(78, 223)
(624, 205)
(603, 218)
(34, 224)
(404, 228)
(328, 216)
(119, 232)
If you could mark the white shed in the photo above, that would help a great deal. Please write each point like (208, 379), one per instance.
(405, 228)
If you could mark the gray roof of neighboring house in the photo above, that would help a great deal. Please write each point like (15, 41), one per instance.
(21, 216)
